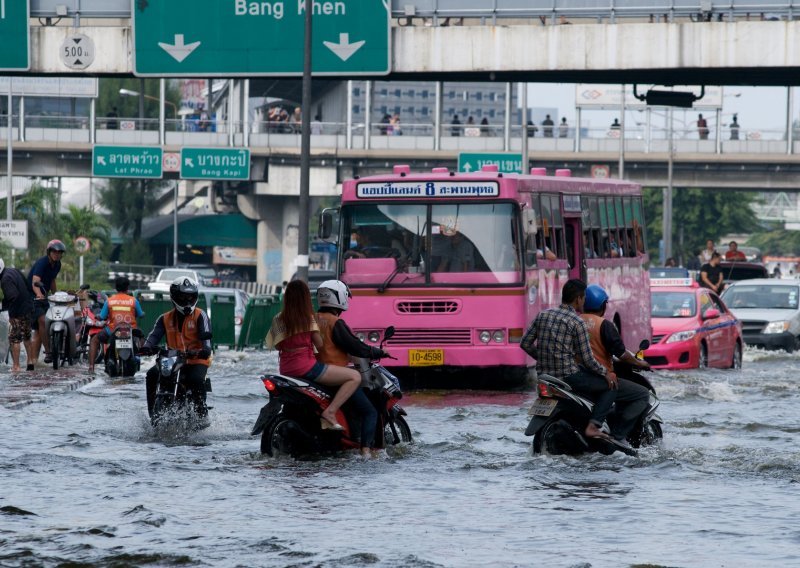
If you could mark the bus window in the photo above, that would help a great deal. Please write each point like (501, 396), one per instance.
(554, 229)
(531, 218)
(627, 209)
(592, 227)
(638, 226)
(611, 246)
(385, 231)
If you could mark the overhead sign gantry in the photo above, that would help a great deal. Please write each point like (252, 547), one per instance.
(210, 38)
(15, 55)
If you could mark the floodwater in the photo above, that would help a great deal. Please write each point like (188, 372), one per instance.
(85, 482)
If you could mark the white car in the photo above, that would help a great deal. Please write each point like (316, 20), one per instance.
(769, 310)
(238, 311)
(203, 276)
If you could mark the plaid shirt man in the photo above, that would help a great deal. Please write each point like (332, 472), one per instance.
(556, 339)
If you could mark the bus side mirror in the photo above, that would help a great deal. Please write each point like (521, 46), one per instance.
(326, 222)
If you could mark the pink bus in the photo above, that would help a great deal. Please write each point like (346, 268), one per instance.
(460, 264)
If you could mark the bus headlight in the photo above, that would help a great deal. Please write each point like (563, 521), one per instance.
(485, 336)
(374, 336)
(361, 336)
(499, 336)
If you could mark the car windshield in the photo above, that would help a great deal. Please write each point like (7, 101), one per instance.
(673, 305)
(464, 243)
(173, 273)
(762, 296)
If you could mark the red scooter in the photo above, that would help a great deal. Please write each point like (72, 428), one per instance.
(90, 323)
(290, 422)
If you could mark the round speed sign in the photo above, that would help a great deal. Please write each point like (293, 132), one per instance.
(82, 244)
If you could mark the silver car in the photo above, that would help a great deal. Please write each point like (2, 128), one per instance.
(203, 276)
(769, 310)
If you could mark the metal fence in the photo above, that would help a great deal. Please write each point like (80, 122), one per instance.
(440, 11)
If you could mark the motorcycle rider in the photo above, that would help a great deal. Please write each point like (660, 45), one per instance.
(42, 280)
(558, 340)
(339, 344)
(187, 328)
(605, 341)
(123, 308)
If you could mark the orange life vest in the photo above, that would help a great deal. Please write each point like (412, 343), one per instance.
(121, 309)
(593, 324)
(330, 354)
(187, 338)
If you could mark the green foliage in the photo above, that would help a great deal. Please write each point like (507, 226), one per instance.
(129, 201)
(128, 106)
(778, 242)
(135, 252)
(700, 215)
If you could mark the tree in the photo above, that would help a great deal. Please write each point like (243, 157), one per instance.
(128, 106)
(699, 215)
(129, 201)
(778, 242)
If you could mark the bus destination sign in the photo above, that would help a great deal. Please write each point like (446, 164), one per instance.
(428, 189)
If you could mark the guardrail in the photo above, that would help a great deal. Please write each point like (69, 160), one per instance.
(492, 9)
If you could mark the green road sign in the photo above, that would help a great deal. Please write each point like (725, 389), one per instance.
(127, 162)
(505, 162)
(215, 163)
(15, 31)
(213, 38)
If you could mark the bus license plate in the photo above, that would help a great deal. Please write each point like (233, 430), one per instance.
(425, 357)
(543, 407)
(124, 344)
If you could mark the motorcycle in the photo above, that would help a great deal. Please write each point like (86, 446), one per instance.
(559, 417)
(60, 328)
(90, 323)
(290, 422)
(173, 396)
(122, 353)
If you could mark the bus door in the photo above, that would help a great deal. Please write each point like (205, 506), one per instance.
(573, 235)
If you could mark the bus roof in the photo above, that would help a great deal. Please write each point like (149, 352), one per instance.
(487, 183)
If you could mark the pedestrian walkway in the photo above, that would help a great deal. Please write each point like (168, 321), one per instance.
(22, 389)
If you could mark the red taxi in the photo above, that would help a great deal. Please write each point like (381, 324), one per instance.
(692, 327)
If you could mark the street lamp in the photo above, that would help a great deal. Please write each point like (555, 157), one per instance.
(129, 93)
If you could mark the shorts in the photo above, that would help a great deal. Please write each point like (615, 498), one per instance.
(19, 329)
(316, 371)
(39, 310)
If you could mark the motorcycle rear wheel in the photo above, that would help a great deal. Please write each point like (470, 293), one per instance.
(276, 438)
(651, 434)
(56, 339)
(401, 429)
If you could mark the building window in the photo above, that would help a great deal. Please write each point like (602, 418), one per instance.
(357, 91)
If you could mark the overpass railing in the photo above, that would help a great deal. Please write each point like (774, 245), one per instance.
(332, 136)
(441, 12)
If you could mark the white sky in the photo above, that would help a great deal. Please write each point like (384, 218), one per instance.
(761, 108)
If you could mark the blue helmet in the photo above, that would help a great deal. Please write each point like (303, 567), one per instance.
(595, 298)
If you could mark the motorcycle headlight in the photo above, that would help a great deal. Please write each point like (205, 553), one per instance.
(166, 365)
(776, 327)
(681, 336)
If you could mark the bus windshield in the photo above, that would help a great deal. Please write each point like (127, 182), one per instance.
(452, 243)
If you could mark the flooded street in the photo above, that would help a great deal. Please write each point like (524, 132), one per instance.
(84, 481)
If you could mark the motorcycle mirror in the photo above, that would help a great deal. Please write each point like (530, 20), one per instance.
(388, 333)
(644, 345)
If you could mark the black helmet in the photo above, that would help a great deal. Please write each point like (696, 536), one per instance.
(183, 293)
(121, 283)
(56, 245)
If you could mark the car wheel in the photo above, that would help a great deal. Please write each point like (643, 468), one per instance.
(737, 357)
(702, 362)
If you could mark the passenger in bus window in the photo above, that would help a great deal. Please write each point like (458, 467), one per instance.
(452, 252)
(588, 250)
(612, 248)
(542, 250)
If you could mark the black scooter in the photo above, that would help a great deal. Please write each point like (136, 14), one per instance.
(559, 417)
(174, 400)
(289, 423)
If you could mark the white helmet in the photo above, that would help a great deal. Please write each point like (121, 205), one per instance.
(333, 294)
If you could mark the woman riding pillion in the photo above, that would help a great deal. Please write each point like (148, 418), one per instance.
(295, 334)
(188, 329)
(339, 344)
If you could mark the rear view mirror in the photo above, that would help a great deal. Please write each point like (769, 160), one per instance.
(711, 313)
(326, 223)
(388, 333)
(644, 345)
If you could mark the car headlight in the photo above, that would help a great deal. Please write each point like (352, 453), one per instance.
(776, 327)
(485, 336)
(374, 336)
(681, 336)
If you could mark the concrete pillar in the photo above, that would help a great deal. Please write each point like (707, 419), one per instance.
(348, 135)
(368, 115)
(507, 122)
(289, 236)
(262, 237)
(246, 113)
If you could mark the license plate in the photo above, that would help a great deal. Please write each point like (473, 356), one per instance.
(542, 407)
(124, 344)
(425, 357)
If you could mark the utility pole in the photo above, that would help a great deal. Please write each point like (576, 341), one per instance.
(305, 154)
